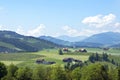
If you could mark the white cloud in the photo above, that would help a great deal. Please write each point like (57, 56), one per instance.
(38, 31)
(70, 31)
(74, 32)
(117, 24)
(84, 32)
(99, 20)
(20, 30)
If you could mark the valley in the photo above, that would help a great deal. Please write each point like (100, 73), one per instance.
(29, 58)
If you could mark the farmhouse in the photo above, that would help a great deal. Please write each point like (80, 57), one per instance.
(65, 49)
(106, 49)
(71, 60)
(68, 59)
(82, 50)
(42, 61)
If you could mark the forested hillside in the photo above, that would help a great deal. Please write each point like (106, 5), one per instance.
(13, 42)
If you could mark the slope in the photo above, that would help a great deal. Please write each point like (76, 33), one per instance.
(13, 42)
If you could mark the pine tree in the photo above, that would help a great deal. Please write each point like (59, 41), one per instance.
(60, 52)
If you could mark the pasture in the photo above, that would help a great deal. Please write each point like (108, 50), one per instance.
(29, 58)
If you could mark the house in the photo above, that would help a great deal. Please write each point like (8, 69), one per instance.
(68, 59)
(65, 49)
(42, 61)
(82, 50)
(106, 49)
(71, 60)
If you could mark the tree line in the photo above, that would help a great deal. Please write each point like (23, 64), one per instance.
(103, 57)
(94, 71)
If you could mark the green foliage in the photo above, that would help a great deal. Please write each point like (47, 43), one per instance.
(39, 73)
(3, 70)
(112, 74)
(24, 74)
(104, 57)
(58, 73)
(60, 52)
(94, 72)
(72, 66)
(119, 73)
(11, 70)
(76, 74)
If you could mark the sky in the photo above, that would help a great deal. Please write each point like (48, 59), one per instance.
(60, 17)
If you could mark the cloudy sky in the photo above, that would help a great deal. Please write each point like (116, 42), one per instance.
(60, 17)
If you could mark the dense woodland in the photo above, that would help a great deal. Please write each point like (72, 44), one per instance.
(89, 72)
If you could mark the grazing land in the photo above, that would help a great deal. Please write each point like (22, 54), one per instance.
(29, 58)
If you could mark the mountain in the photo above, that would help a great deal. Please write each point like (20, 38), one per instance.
(116, 45)
(14, 42)
(107, 38)
(87, 44)
(71, 39)
(55, 40)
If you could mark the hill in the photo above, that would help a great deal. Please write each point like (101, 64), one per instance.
(87, 44)
(13, 42)
(55, 40)
(107, 38)
(116, 45)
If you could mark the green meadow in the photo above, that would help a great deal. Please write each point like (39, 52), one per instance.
(29, 58)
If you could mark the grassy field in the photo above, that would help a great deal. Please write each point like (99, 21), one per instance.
(28, 59)
(111, 51)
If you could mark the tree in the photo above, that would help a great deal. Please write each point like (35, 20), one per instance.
(58, 73)
(119, 73)
(40, 73)
(105, 57)
(11, 72)
(76, 74)
(12, 69)
(92, 58)
(97, 57)
(94, 72)
(112, 73)
(24, 73)
(60, 52)
(3, 70)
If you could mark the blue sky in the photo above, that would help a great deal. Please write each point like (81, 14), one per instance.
(60, 17)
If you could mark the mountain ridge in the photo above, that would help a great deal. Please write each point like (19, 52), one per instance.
(106, 38)
(13, 42)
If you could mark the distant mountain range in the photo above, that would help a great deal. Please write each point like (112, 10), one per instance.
(71, 39)
(55, 40)
(13, 42)
(106, 39)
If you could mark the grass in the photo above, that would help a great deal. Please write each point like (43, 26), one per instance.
(56, 56)
(12, 62)
(20, 59)
(112, 51)
(29, 58)
(17, 56)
